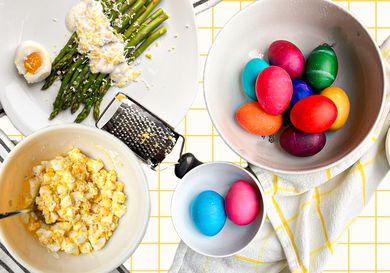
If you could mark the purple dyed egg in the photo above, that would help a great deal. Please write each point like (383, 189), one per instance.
(301, 144)
(300, 90)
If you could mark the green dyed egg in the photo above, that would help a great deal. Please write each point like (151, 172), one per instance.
(322, 67)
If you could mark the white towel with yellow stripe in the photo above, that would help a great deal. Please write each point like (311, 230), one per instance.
(307, 214)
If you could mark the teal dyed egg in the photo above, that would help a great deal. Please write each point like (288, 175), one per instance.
(322, 67)
(208, 213)
(249, 75)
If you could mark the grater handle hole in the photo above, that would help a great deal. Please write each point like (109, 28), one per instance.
(187, 162)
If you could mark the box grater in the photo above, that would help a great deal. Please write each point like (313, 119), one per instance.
(148, 136)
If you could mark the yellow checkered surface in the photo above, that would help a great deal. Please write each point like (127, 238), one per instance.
(365, 247)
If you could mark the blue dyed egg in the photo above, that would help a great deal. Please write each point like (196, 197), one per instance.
(208, 213)
(249, 75)
(300, 90)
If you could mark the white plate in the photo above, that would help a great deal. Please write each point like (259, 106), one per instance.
(172, 76)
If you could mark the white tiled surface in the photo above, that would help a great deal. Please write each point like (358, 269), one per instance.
(365, 248)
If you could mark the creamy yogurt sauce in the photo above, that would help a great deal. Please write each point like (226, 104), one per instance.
(105, 49)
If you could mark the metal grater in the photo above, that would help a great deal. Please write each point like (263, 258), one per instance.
(148, 136)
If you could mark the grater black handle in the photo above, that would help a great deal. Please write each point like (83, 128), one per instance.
(187, 162)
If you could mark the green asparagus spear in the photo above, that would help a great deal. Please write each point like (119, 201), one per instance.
(66, 48)
(91, 100)
(145, 30)
(99, 99)
(142, 18)
(72, 89)
(146, 43)
(64, 61)
(129, 17)
(58, 101)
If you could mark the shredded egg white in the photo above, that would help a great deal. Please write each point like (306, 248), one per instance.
(80, 200)
(96, 36)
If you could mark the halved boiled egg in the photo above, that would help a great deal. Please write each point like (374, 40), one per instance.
(33, 61)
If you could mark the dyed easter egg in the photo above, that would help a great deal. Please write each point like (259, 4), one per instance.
(249, 75)
(242, 203)
(253, 119)
(322, 67)
(300, 90)
(340, 98)
(287, 56)
(314, 114)
(301, 144)
(208, 213)
(274, 90)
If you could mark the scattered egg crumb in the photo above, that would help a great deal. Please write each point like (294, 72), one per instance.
(80, 198)
(145, 137)
(120, 97)
(149, 55)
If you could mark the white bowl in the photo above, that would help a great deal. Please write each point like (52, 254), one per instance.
(45, 145)
(217, 177)
(307, 23)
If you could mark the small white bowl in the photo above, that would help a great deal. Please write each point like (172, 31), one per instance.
(46, 144)
(218, 176)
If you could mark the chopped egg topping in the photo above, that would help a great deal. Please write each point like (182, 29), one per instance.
(80, 200)
(96, 37)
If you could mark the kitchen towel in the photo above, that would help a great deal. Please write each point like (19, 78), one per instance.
(306, 214)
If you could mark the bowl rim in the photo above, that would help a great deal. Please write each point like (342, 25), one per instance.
(349, 156)
(50, 129)
(262, 194)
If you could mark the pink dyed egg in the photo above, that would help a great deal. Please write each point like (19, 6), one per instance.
(274, 90)
(287, 56)
(242, 203)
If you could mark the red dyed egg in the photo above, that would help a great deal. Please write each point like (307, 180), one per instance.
(274, 90)
(314, 114)
(288, 56)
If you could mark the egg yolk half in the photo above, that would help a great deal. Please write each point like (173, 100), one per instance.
(33, 62)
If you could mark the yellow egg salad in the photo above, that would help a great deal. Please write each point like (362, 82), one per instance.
(80, 200)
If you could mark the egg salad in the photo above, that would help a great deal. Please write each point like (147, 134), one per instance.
(80, 201)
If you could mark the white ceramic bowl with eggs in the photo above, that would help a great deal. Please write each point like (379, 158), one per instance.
(308, 24)
(218, 177)
(46, 144)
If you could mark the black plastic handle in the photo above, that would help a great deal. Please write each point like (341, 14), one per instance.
(187, 162)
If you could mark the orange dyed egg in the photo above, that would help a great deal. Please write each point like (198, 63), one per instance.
(256, 121)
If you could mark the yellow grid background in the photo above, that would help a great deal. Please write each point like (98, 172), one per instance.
(364, 248)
